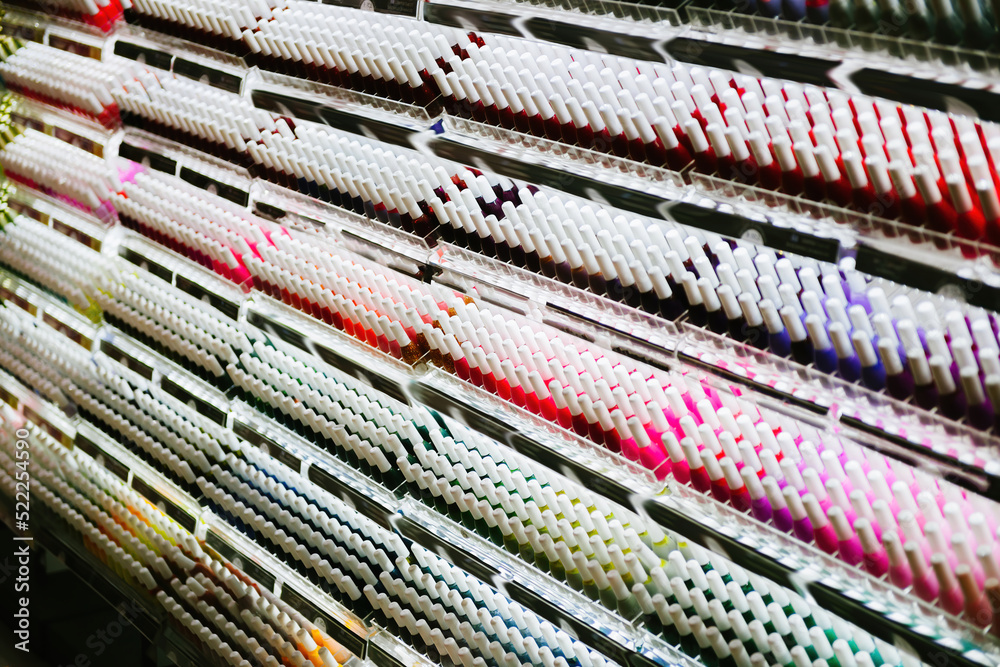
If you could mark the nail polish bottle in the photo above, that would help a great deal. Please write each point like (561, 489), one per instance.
(874, 560)
(951, 402)
(754, 330)
(848, 365)
(801, 524)
(760, 506)
(696, 312)
(992, 383)
(980, 412)
(872, 370)
(778, 340)
(898, 381)
(949, 594)
(716, 316)
(735, 323)
(824, 354)
(700, 479)
(678, 461)
(823, 531)
(977, 604)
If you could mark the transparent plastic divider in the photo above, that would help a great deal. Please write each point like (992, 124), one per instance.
(74, 224)
(39, 411)
(554, 447)
(333, 346)
(387, 650)
(73, 40)
(816, 575)
(490, 278)
(361, 104)
(362, 234)
(830, 219)
(592, 15)
(50, 208)
(159, 491)
(38, 304)
(185, 156)
(846, 43)
(670, 344)
(25, 25)
(182, 48)
(371, 498)
(137, 252)
(969, 456)
(74, 129)
(283, 577)
(565, 608)
(588, 161)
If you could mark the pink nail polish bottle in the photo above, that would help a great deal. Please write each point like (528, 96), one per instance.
(849, 544)
(699, 476)
(874, 560)
(950, 596)
(678, 462)
(899, 569)
(717, 479)
(925, 583)
(823, 532)
(977, 606)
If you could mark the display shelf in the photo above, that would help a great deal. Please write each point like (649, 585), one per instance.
(188, 277)
(150, 621)
(609, 474)
(690, 515)
(381, 118)
(218, 536)
(866, 415)
(362, 235)
(48, 529)
(867, 410)
(699, 34)
(813, 401)
(560, 605)
(526, 435)
(793, 224)
(314, 463)
(633, 30)
(612, 180)
(193, 61)
(668, 344)
(896, 617)
(328, 344)
(25, 25)
(284, 583)
(949, 254)
(71, 128)
(205, 172)
(888, 612)
(73, 223)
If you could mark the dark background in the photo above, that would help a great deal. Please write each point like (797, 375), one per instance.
(65, 612)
